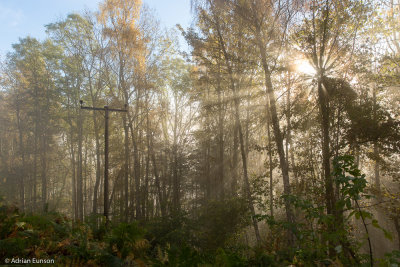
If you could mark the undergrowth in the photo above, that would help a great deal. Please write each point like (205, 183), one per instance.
(213, 235)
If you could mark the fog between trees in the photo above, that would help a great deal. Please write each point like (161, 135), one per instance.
(277, 133)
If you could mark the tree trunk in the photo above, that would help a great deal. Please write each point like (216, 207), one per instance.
(240, 132)
(245, 174)
(157, 178)
(289, 151)
(126, 169)
(376, 151)
(98, 164)
(72, 154)
(126, 118)
(80, 169)
(35, 166)
(43, 174)
(276, 128)
(97, 145)
(324, 110)
(176, 179)
(22, 153)
(271, 180)
(220, 142)
(136, 173)
(277, 132)
(234, 160)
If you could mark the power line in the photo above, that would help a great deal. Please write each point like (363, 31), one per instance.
(106, 110)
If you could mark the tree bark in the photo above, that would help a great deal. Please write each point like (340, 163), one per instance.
(271, 180)
(376, 149)
(44, 172)
(276, 128)
(220, 141)
(98, 164)
(176, 179)
(157, 178)
(80, 169)
(22, 153)
(234, 160)
(324, 110)
(289, 151)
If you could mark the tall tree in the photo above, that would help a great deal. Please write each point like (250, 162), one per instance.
(268, 22)
(216, 16)
(120, 19)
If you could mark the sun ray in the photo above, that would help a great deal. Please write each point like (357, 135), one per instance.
(304, 66)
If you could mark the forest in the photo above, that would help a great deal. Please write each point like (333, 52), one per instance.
(273, 140)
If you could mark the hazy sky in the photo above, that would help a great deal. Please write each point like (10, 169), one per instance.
(20, 18)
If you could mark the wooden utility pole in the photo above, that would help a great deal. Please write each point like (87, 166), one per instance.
(106, 110)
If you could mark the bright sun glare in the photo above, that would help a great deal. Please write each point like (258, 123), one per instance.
(305, 67)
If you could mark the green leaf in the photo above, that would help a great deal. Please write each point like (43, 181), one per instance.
(348, 203)
(388, 235)
(357, 214)
(375, 224)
